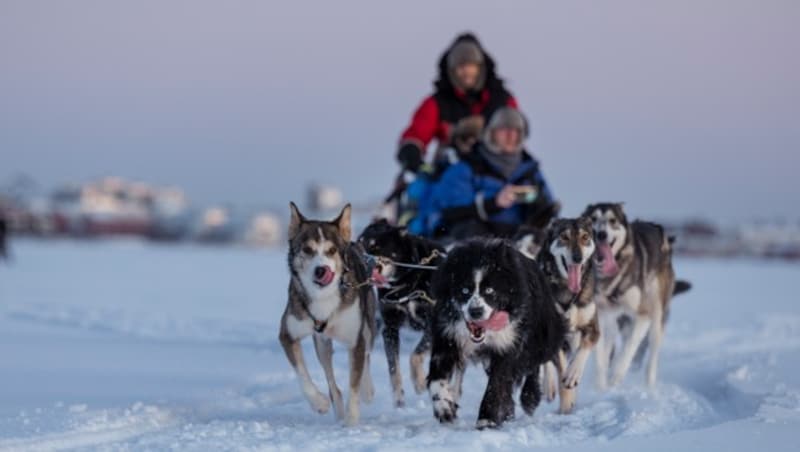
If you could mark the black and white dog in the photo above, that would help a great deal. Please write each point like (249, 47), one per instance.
(493, 306)
(407, 300)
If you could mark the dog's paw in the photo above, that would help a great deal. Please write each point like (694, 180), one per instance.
(573, 377)
(353, 412)
(367, 392)
(319, 403)
(338, 403)
(485, 423)
(445, 409)
(399, 398)
(550, 391)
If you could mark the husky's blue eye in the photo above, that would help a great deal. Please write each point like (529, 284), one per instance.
(489, 291)
(465, 291)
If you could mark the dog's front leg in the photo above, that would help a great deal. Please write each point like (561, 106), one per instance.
(391, 345)
(498, 404)
(640, 326)
(588, 337)
(324, 349)
(550, 381)
(566, 396)
(458, 382)
(358, 360)
(531, 393)
(604, 347)
(294, 352)
(445, 356)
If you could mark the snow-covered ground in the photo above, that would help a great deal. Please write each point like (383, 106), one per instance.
(130, 346)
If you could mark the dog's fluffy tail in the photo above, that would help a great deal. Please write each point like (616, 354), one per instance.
(681, 286)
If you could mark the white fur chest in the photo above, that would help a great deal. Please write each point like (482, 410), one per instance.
(345, 325)
(325, 303)
(579, 316)
(495, 340)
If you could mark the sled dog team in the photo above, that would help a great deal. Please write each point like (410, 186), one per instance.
(528, 310)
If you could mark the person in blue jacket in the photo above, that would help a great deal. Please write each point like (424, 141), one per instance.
(496, 188)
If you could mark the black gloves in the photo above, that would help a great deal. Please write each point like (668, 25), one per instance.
(410, 157)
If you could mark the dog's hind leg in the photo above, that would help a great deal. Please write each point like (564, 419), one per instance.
(531, 393)
(324, 348)
(294, 352)
(640, 326)
(655, 336)
(391, 345)
(358, 359)
(418, 363)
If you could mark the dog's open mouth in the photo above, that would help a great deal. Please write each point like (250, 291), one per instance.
(476, 332)
(574, 273)
(377, 278)
(496, 322)
(323, 275)
(605, 257)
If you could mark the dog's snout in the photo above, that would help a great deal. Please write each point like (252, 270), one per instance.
(602, 235)
(577, 257)
(320, 271)
(476, 312)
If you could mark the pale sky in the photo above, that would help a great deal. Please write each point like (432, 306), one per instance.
(681, 108)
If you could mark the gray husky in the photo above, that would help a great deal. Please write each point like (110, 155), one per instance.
(635, 279)
(330, 298)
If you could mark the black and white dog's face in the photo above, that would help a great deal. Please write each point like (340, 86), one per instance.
(381, 239)
(571, 245)
(316, 250)
(482, 293)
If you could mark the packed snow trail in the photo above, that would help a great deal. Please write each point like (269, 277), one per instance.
(129, 346)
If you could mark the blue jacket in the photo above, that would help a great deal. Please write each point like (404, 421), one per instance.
(467, 189)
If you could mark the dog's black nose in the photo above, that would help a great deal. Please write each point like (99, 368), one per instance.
(577, 257)
(602, 235)
(319, 272)
(476, 312)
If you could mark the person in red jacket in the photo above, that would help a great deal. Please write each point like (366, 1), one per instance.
(467, 87)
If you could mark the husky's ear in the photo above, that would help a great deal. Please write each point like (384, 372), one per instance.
(343, 223)
(296, 220)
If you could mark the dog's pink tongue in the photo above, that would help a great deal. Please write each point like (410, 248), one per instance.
(378, 279)
(609, 264)
(327, 277)
(574, 278)
(496, 322)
